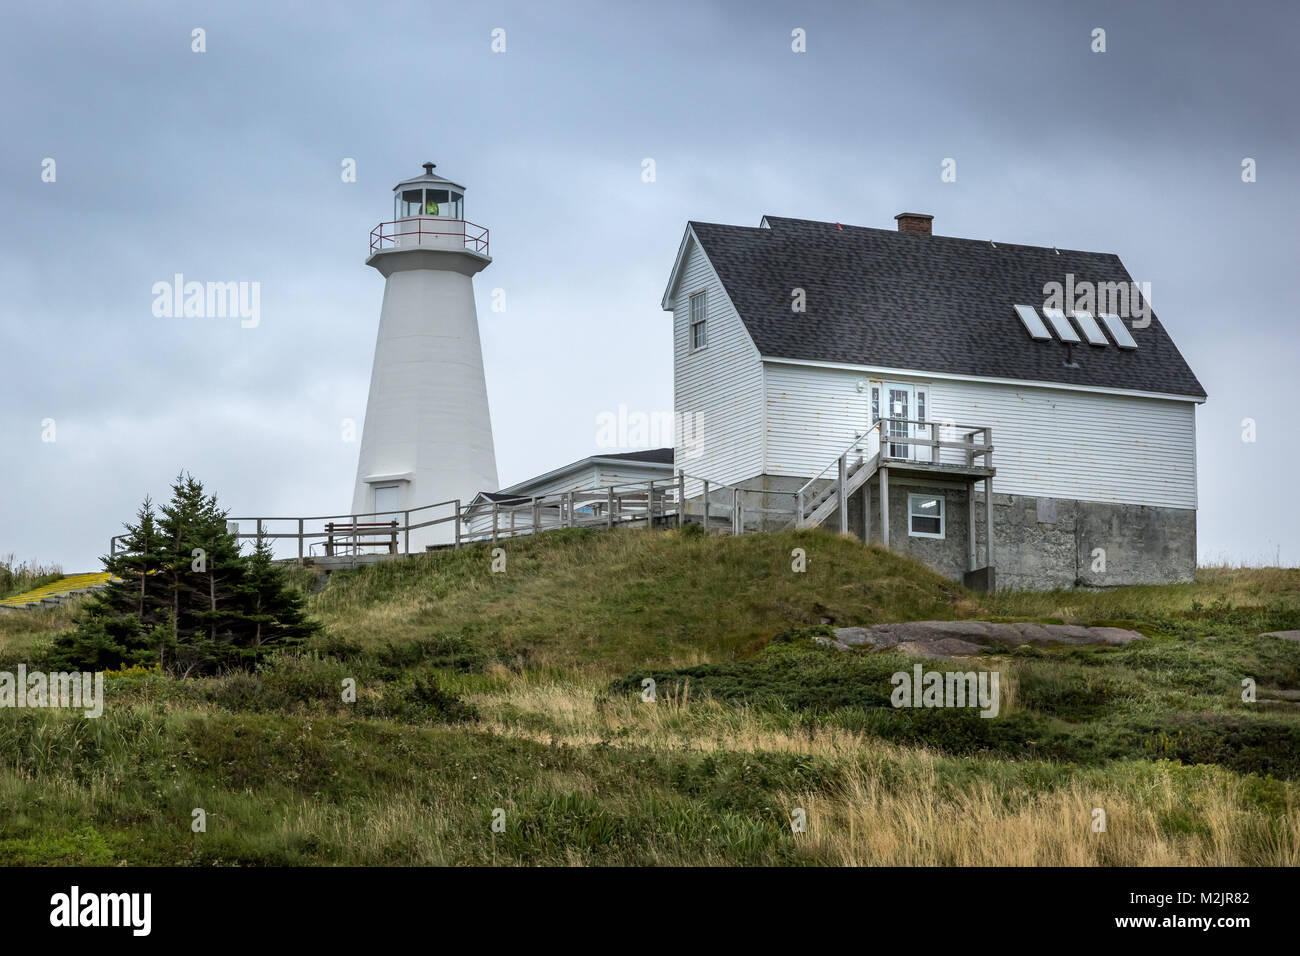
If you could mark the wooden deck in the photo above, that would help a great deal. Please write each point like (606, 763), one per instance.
(908, 449)
(904, 468)
(340, 541)
(905, 448)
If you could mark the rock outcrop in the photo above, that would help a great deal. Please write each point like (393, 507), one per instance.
(939, 639)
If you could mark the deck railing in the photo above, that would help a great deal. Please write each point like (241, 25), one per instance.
(428, 231)
(944, 444)
(669, 501)
(651, 503)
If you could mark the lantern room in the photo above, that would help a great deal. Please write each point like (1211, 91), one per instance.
(429, 195)
(429, 213)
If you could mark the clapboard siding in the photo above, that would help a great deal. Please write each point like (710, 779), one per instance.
(717, 390)
(810, 418)
(627, 474)
(591, 475)
(1049, 442)
(582, 478)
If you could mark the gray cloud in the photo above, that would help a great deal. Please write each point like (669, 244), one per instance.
(225, 166)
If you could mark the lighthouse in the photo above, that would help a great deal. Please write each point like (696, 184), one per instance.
(427, 436)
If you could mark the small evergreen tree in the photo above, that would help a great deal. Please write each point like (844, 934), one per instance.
(271, 612)
(118, 625)
(183, 596)
(206, 568)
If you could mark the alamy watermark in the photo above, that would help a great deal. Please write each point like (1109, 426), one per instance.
(922, 688)
(1128, 300)
(208, 300)
(38, 689)
(628, 429)
(128, 910)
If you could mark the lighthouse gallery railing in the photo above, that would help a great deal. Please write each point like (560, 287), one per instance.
(392, 235)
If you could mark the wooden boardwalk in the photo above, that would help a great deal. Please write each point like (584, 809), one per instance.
(349, 540)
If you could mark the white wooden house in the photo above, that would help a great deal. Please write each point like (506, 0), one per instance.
(617, 470)
(798, 343)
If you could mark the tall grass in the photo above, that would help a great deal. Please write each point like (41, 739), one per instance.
(19, 576)
(328, 790)
(1153, 815)
(26, 634)
(1222, 586)
(519, 691)
(616, 600)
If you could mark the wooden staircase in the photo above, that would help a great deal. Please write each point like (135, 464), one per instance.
(813, 512)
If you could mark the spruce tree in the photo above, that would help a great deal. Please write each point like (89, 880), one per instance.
(120, 624)
(183, 596)
(205, 568)
(272, 613)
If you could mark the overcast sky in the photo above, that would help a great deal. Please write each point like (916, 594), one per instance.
(226, 165)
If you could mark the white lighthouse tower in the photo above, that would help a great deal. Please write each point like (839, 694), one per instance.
(427, 437)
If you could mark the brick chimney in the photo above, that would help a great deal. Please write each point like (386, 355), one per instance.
(914, 222)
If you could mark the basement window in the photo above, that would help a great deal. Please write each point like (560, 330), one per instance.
(699, 332)
(925, 518)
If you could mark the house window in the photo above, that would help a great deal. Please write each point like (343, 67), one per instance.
(875, 402)
(925, 516)
(699, 333)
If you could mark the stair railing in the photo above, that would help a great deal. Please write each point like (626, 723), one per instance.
(840, 464)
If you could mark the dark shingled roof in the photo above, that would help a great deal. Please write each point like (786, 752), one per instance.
(658, 456)
(927, 303)
(647, 456)
(502, 497)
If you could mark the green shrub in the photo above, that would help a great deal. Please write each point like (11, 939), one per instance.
(84, 846)
(422, 702)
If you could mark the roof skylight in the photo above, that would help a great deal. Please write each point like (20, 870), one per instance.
(1091, 330)
(1061, 325)
(1033, 324)
(1118, 330)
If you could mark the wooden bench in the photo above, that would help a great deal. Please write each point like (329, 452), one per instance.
(349, 533)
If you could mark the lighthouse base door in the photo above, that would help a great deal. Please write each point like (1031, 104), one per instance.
(386, 502)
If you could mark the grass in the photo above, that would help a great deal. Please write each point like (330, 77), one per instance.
(24, 635)
(19, 576)
(515, 696)
(610, 601)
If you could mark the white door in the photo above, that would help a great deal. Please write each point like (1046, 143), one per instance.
(900, 403)
(905, 407)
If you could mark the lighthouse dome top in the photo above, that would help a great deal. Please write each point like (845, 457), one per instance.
(428, 176)
(429, 195)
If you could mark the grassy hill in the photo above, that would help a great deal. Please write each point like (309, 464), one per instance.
(597, 600)
(515, 696)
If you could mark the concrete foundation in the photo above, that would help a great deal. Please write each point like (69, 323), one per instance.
(1039, 543)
